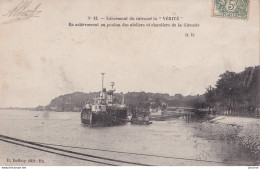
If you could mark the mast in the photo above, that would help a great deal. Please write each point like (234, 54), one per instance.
(102, 84)
(112, 90)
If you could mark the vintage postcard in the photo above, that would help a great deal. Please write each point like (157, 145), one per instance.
(129, 83)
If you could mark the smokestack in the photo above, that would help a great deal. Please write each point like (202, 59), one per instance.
(123, 101)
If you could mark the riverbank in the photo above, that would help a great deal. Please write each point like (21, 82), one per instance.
(236, 130)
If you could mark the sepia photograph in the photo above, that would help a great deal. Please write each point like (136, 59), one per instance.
(129, 83)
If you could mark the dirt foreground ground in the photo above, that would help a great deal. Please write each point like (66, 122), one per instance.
(237, 130)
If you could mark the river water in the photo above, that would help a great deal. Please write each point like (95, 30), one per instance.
(174, 138)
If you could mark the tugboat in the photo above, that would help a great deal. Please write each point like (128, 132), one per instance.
(105, 111)
(140, 117)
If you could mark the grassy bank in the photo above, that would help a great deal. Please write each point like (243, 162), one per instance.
(239, 130)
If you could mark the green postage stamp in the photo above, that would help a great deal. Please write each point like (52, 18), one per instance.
(234, 9)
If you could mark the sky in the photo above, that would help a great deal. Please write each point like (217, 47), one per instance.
(42, 58)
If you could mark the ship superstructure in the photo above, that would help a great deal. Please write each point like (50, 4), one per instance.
(104, 111)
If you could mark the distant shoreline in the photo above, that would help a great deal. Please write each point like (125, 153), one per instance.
(17, 108)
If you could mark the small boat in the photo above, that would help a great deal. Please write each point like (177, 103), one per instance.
(140, 117)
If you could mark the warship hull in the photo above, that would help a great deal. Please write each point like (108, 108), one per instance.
(104, 118)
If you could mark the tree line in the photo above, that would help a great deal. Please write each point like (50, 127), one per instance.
(233, 94)
(236, 93)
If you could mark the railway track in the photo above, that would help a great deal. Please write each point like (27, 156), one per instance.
(68, 153)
